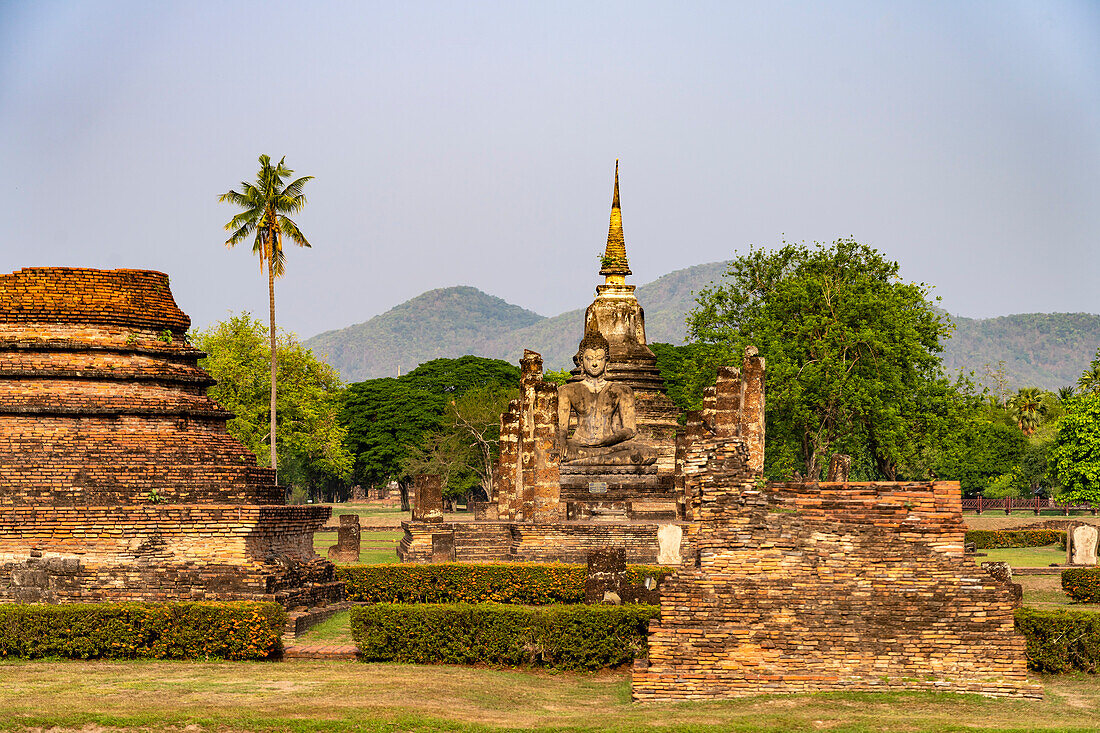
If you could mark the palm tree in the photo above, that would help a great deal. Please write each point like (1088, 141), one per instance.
(1089, 382)
(1064, 393)
(265, 205)
(1026, 406)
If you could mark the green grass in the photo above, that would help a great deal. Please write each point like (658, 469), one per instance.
(335, 630)
(376, 546)
(351, 696)
(1026, 557)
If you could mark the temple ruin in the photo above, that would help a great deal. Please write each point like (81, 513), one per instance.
(118, 479)
(779, 587)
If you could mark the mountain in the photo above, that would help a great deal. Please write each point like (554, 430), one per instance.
(1045, 350)
(448, 322)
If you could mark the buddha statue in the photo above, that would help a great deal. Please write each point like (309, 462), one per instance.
(606, 426)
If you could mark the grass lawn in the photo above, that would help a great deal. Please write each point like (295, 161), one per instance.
(376, 546)
(346, 696)
(1025, 557)
(334, 630)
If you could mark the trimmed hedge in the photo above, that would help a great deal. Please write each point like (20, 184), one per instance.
(572, 637)
(994, 539)
(235, 630)
(1060, 641)
(1082, 584)
(533, 584)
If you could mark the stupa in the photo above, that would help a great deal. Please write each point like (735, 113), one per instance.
(118, 478)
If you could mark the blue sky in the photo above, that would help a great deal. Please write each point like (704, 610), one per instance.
(474, 143)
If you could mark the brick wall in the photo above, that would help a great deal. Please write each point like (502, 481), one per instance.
(796, 588)
(533, 542)
(67, 554)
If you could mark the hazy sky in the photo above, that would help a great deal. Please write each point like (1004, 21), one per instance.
(474, 143)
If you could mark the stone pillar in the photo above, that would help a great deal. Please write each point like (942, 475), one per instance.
(840, 466)
(348, 536)
(727, 403)
(752, 408)
(710, 407)
(507, 475)
(540, 488)
(606, 575)
(427, 498)
(1081, 543)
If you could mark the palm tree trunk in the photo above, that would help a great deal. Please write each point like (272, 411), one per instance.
(271, 322)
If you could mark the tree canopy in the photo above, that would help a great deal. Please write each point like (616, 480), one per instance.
(310, 435)
(1076, 452)
(852, 355)
(388, 417)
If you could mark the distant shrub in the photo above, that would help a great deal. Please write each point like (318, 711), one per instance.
(526, 583)
(1082, 584)
(563, 637)
(1060, 641)
(995, 539)
(237, 630)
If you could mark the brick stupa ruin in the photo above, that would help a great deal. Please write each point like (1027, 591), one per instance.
(118, 479)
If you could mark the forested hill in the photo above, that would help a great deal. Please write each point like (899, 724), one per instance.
(1047, 350)
(448, 322)
(453, 322)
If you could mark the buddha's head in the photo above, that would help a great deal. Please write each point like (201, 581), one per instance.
(592, 354)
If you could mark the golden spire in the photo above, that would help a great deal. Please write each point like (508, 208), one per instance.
(613, 263)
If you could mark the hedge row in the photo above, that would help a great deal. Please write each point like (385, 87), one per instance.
(237, 630)
(992, 539)
(525, 583)
(1060, 641)
(571, 637)
(1082, 584)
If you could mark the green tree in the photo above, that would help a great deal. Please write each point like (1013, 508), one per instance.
(1075, 457)
(1089, 381)
(852, 354)
(310, 436)
(265, 205)
(388, 417)
(978, 452)
(465, 449)
(1027, 408)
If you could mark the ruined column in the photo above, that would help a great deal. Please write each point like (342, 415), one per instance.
(752, 408)
(727, 403)
(539, 459)
(428, 499)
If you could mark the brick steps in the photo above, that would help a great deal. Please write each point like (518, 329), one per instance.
(320, 651)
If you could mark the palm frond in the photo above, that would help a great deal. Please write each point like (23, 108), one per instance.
(289, 228)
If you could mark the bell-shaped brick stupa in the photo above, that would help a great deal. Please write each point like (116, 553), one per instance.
(118, 479)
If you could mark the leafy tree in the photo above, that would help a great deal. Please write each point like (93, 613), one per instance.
(1089, 380)
(979, 453)
(265, 205)
(310, 435)
(1064, 393)
(852, 354)
(388, 417)
(1075, 457)
(465, 449)
(559, 377)
(688, 370)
